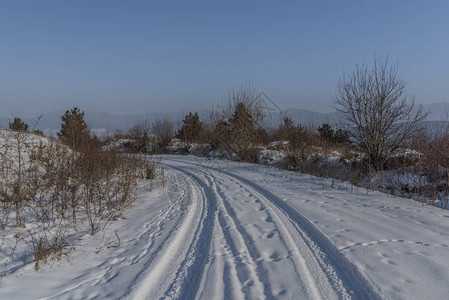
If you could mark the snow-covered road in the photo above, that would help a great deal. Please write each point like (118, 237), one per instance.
(264, 248)
(224, 230)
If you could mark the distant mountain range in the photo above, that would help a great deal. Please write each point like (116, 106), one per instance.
(102, 122)
(437, 111)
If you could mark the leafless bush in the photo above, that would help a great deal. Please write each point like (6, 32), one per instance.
(56, 191)
(301, 143)
(164, 131)
(140, 132)
(105, 182)
(300, 139)
(375, 107)
(49, 244)
(211, 133)
(434, 163)
(18, 171)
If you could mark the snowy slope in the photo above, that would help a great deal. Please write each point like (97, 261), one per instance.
(225, 230)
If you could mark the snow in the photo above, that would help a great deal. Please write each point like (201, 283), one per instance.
(11, 141)
(271, 157)
(277, 145)
(16, 155)
(229, 230)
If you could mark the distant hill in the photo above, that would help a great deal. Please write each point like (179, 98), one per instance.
(102, 122)
(437, 111)
(303, 117)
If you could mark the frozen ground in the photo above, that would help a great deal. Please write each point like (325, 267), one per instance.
(225, 230)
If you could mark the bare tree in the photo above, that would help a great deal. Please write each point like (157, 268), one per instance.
(211, 120)
(140, 132)
(164, 130)
(374, 105)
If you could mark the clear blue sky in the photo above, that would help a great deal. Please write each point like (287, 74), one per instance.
(146, 56)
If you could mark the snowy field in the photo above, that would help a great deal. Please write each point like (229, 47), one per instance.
(226, 230)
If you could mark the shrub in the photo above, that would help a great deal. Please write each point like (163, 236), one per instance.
(150, 173)
(163, 129)
(330, 135)
(140, 133)
(60, 191)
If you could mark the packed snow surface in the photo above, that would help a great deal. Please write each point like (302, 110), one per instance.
(227, 230)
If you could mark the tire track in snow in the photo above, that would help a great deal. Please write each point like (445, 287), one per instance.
(239, 274)
(339, 270)
(245, 257)
(285, 243)
(124, 260)
(234, 234)
(234, 266)
(310, 288)
(327, 254)
(168, 275)
(150, 253)
(159, 224)
(303, 269)
(317, 276)
(227, 280)
(187, 280)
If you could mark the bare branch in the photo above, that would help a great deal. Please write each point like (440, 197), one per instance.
(374, 105)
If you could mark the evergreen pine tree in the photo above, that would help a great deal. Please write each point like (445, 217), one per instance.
(73, 128)
(326, 132)
(243, 132)
(18, 125)
(192, 128)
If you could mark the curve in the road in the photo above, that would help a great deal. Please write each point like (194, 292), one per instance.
(353, 281)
